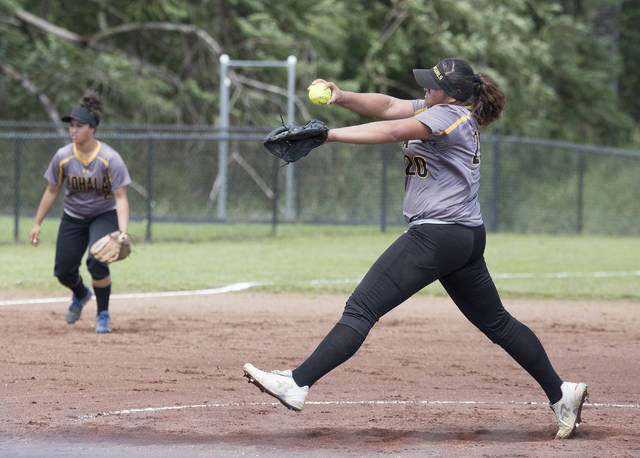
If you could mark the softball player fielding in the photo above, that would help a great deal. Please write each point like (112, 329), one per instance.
(95, 204)
(445, 240)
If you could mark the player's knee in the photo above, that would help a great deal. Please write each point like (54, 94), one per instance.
(68, 279)
(97, 269)
(358, 317)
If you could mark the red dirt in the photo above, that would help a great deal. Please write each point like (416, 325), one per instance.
(58, 380)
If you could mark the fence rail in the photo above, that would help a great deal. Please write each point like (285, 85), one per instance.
(25, 126)
(528, 185)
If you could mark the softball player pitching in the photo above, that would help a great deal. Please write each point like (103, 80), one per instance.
(95, 204)
(445, 240)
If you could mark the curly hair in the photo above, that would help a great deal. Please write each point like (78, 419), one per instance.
(91, 101)
(489, 100)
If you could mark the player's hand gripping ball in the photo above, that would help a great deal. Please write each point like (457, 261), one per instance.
(319, 94)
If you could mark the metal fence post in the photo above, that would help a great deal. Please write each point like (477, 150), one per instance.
(223, 145)
(276, 193)
(16, 200)
(495, 204)
(150, 160)
(298, 186)
(291, 99)
(580, 199)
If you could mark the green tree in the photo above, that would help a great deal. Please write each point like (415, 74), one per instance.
(158, 61)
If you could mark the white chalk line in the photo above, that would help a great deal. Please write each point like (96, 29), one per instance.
(335, 403)
(246, 285)
(509, 276)
(223, 289)
(630, 273)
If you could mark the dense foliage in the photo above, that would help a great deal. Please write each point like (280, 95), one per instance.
(569, 68)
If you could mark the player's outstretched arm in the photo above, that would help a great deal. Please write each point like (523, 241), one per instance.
(380, 132)
(369, 104)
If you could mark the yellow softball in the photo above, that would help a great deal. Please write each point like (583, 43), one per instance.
(319, 94)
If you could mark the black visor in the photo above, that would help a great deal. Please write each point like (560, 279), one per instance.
(84, 116)
(426, 78)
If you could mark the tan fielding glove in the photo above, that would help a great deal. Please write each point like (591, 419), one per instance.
(112, 247)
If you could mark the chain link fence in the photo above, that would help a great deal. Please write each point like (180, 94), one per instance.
(528, 185)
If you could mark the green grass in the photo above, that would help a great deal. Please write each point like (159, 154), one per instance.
(180, 232)
(214, 255)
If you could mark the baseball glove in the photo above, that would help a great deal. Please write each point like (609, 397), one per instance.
(111, 247)
(291, 142)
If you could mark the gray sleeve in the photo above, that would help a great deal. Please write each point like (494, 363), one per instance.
(418, 104)
(119, 173)
(52, 174)
(438, 118)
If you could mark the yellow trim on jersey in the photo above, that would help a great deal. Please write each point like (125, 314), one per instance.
(62, 162)
(91, 157)
(453, 126)
(104, 161)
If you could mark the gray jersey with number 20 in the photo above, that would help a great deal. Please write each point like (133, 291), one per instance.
(443, 172)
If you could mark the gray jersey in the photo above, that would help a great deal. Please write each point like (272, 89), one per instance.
(90, 183)
(443, 172)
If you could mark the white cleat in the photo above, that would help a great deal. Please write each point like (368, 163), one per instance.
(568, 408)
(279, 384)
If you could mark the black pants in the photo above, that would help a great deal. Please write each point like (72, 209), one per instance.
(74, 237)
(452, 254)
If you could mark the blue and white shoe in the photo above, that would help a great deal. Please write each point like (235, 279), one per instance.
(75, 309)
(103, 322)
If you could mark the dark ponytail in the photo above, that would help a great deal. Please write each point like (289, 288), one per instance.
(489, 100)
(91, 101)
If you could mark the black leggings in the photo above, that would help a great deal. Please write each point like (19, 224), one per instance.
(452, 254)
(74, 236)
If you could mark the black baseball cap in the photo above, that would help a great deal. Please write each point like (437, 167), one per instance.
(84, 116)
(454, 76)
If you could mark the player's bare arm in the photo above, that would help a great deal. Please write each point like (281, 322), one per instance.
(122, 208)
(374, 105)
(381, 132)
(48, 199)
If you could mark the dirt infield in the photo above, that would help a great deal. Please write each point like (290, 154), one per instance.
(168, 380)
